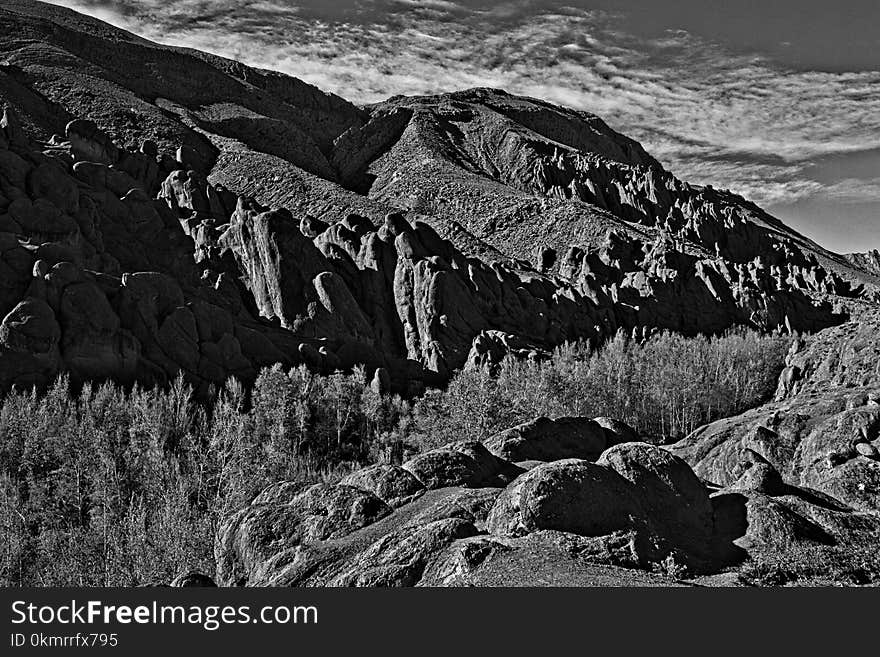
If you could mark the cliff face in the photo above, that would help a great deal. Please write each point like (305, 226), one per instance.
(165, 210)
(869, 261)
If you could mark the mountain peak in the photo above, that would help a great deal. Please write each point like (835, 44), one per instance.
(416, 235)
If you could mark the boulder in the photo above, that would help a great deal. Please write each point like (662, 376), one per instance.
(189, 159)
(193, 578)
(466, 463)
(617, 431)
(256, 533)
(392, 484)
(767, 524)
(675, 501)
(866, 449)
(443, 467)
(89, 143)
(281, 492)
(30, 327)
(472, 505)
(543, 439)
(312, 227)
(760, 478)
(400, 558)
(570, 495)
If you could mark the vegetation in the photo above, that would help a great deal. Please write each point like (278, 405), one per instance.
(109, 486)
(664, 387)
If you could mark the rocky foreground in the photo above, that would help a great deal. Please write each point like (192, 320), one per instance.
(786, 493)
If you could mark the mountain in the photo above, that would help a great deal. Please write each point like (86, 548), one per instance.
(167, 210)
(868, 261)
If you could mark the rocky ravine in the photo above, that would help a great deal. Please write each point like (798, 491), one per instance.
(164, 210)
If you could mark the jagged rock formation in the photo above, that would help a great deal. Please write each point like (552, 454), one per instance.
(869, 260)
(137, 288)
(821, 429)
(205, 217)
(97, 285)
(166, 211)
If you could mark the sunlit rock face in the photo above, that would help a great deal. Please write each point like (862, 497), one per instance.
(165, 211)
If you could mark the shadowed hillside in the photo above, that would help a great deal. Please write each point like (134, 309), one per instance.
(250, 328)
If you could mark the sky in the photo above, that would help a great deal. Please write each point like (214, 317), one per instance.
(776, 100)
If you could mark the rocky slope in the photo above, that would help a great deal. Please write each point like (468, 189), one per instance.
(595, 508)
(787, 493)
(165, 210)
(869, 261)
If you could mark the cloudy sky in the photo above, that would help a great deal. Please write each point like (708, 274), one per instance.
(779, 101)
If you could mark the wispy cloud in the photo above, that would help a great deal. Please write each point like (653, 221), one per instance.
(735, 120)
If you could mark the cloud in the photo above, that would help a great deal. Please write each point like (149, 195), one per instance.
(735, 120)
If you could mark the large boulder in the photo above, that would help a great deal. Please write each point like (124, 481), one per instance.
(400, 558)
(249, 538)
(570, 495)
(466, 463)
(29, 345)
(472, 505)
(674, 499)
(390, 483)
(90, 143)
(31, 327)
(543, 439)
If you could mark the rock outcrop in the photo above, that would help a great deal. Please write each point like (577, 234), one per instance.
(799, 477)
(203, 281)
(869, 260)
(146, 206)
(635, 515)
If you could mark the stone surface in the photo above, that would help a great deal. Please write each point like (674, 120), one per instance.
(637, 516)
(616, 431)
(248, 538)
(460, 464)
(390, 483)
(673, 498)
(570, 495)
(192, 579)
(543, 439)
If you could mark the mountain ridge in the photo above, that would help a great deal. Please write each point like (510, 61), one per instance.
(414, 236)
(168, 215)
